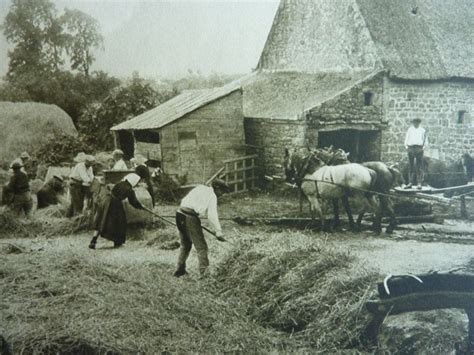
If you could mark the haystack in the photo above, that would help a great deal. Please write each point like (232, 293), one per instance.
(25, 126)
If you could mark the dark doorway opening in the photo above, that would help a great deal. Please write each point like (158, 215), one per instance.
(126, 142)
(362, 145)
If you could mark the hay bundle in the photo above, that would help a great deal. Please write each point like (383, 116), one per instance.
(69, 303)
(29, 125)
(47, 222)
(308, 291)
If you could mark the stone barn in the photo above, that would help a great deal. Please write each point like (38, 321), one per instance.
(190, 135)
(354, 73)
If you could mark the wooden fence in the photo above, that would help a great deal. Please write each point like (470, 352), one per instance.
(241, 173)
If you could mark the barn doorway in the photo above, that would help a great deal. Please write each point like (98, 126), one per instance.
(126, 142)
(362, 145)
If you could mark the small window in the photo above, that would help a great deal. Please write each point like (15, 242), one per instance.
(461, 117)
(147, 136)
(187, 140)
(368, 98)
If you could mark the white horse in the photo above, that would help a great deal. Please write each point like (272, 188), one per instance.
(320, 182)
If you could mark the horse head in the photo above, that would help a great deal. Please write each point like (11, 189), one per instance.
(297, 165)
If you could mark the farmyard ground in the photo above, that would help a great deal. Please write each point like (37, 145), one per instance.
(270, 289)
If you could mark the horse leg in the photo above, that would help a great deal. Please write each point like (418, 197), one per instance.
(347, 207)
(335, 205)
(377, 209)
(316, 208)
(387, 204)
(360, 218)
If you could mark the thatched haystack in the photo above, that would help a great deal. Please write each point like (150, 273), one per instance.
(28, 125)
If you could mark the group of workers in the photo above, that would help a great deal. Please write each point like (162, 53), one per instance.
(110, 220)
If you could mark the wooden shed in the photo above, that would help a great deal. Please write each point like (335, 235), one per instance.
(190, 135)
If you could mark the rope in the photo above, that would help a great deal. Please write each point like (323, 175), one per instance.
(369, 191)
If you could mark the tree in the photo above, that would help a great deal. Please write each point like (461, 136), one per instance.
(126, 102)
(33, 27)
(82, 36)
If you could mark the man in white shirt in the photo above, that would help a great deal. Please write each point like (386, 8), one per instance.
(80, 180)
(119, 163)
(416, 140)
(199, 201)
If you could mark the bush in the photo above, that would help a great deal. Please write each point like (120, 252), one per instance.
(63, 149)
(124, 103)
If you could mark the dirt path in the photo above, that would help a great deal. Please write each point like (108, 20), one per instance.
(387, 254)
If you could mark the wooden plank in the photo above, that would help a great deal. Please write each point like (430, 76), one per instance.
(239, 181)
(241, 158)
(421, 302)
(215, 175)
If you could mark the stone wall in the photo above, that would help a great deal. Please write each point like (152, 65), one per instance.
(345, 111)
(195, 145)
(349, 107)
(273, 136)
(438, 105)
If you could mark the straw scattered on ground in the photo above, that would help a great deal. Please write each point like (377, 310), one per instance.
(307, 291)
(72, 304)
(47, 222)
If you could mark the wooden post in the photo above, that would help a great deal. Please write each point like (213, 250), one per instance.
(470, 342)
(463, 207)
(371, 333)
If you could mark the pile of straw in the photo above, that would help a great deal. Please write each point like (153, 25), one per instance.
(308, 291)
(49, 222)
(78, 304)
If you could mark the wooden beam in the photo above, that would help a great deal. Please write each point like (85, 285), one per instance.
(421, 302)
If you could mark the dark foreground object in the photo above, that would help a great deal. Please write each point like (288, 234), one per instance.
(408, 294)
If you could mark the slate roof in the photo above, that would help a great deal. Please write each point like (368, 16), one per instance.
(176, 108)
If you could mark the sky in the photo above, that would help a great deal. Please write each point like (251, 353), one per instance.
(159, 38)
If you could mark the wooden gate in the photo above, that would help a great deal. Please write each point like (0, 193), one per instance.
(241, 173)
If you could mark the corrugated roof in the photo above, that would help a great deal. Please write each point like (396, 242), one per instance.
(176, 108)
(287, 95)
(411, 39)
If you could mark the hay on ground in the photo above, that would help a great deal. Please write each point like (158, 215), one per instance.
(308, 291)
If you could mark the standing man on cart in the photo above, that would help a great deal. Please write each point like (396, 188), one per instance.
(416, 140)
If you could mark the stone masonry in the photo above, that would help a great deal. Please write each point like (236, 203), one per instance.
(438, 104)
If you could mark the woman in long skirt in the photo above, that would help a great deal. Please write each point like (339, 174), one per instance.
(110, 221)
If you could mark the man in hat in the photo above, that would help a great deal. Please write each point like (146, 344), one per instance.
(80, 180)
(19, 187)
(138, 160)
(119, 163)
(49, 194)
(416, 140)
(28, 166)
(199, 201)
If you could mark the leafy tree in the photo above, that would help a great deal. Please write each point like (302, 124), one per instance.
(32, 26)
(82, 36)
(71, 92)
(125, 102)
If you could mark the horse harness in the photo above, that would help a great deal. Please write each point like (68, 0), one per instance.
(303, 172)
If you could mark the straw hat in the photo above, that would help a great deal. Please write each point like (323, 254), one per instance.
(80, 157)
(90, 158)
(25, 155)
(117, 152)
(138, 160)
